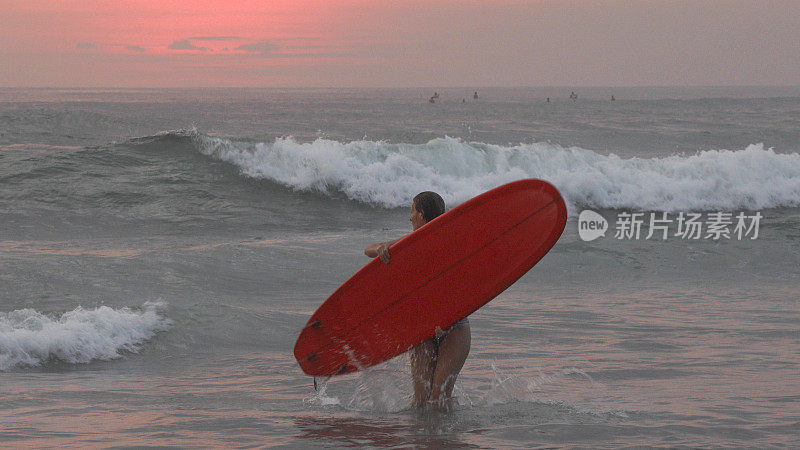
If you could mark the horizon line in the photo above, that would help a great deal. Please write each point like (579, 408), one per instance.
(420, 87)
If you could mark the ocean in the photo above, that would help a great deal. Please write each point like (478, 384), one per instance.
(160, 251)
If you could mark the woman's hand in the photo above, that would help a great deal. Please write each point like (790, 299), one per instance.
(383, 252)
(380, 249)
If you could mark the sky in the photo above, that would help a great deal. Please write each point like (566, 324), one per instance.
(399, 43)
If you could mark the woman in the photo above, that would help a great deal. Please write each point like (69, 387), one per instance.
(435, 363)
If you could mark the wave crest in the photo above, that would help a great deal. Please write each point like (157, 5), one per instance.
(389, 174)
(30, 338)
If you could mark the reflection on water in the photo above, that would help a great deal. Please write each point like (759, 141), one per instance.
(109, 248)
(37, 147)
(413, 429)
(45, 248)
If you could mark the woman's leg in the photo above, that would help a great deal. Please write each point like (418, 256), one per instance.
(453, 351)
(423, 364)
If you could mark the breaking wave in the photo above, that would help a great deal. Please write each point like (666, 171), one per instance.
(30, 338)
(388, 174)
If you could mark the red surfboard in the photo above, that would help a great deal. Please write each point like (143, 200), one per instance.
(437, 275)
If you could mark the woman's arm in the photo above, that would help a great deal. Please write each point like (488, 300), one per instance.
(380, 249)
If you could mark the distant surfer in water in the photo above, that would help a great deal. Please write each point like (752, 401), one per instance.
(435, 363)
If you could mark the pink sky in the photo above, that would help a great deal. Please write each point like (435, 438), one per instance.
(300, 43)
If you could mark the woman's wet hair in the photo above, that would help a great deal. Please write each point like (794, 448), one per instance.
(430, 204)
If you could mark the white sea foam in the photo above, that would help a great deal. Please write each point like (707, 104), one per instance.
(29, 338)
(390, 174)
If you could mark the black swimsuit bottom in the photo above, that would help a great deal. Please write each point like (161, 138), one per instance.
(437, 340)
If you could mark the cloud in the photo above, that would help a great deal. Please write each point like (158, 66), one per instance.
(217, 38)
(86, 46)
(185, 45)
(263, 47)
(134, 48)
(304, 38)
